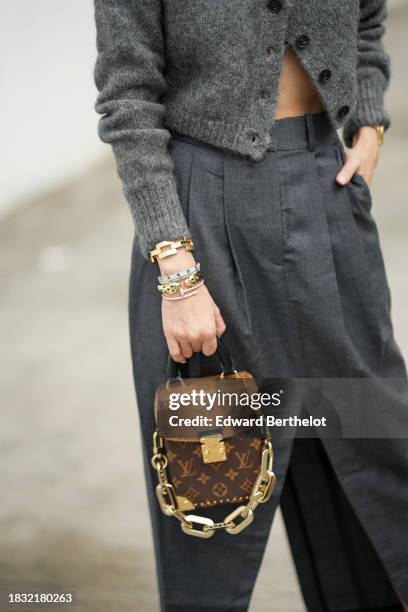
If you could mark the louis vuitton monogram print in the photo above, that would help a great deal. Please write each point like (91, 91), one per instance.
(209, 484)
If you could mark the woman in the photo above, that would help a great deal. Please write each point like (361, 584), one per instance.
(222, 115)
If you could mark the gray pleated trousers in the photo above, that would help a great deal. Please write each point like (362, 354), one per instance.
(294, 263)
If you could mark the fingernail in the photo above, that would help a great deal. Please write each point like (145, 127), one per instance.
(342, 179)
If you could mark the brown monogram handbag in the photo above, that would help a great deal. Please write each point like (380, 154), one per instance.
(210, 454)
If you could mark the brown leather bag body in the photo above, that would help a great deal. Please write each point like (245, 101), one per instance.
(211, 454)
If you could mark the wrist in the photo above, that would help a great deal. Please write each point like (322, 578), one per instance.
(368, 135)
(174, 263)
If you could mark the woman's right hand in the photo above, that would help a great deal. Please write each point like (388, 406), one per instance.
(192, 325)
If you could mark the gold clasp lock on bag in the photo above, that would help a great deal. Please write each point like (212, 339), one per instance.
(213, 448)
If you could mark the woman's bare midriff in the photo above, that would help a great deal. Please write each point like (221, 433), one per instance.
(296, 93)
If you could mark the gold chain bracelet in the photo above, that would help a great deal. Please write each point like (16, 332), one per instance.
(169, 247)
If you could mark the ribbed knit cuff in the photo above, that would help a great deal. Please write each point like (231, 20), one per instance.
(369, 109)
(158, 215)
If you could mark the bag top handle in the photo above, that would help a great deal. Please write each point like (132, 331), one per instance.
(191, 369)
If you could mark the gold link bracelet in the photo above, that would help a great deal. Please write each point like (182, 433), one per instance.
(169, 247)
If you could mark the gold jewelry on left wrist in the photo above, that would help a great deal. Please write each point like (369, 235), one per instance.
(184, 293)
(380, 133)
(180, 286)
(169, 247)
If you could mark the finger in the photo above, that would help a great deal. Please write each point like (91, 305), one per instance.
(175, 350)
(350, 167)
(220, 326)
(195, 342)
(186, 348)
(209, 346)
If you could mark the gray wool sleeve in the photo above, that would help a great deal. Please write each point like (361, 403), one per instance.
(129, 77)
(373, 70)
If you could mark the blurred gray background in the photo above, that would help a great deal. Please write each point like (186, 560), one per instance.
(73, 513)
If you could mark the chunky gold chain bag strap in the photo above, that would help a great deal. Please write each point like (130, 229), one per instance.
(234, 522)
(171, 503)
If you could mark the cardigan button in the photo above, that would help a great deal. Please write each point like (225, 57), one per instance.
(325, 76)
(253, 138)
(302, 41)
(343, 112)
(274, 6)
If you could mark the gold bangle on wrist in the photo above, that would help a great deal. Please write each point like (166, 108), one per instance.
(180, 286)
(380, 133)
(181, 297)
(184, 293)
(169, 247)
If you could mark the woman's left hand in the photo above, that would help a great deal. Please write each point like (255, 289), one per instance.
(362, 157)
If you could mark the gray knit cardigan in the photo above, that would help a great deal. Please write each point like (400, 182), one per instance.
(210, 69)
